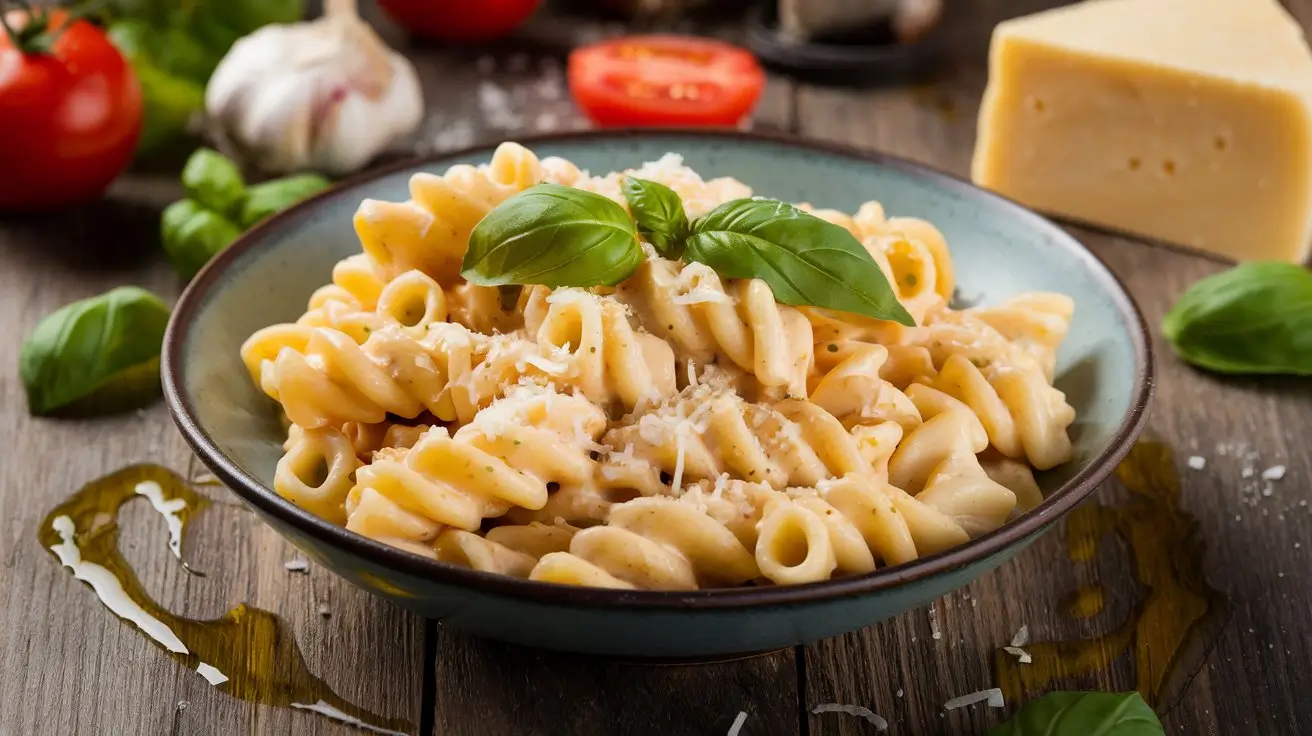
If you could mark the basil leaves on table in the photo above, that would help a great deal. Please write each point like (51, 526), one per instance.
(219, 207)
(214, 181)
(1083, 714)
(553, 235)
(806, 261)
(560, 236)
(1254, 318)
(95, 355)
(659, 215)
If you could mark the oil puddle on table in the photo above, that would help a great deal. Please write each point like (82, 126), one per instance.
(248, 653)
(1172, 629)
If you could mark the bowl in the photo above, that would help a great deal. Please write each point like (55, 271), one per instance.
(1105, 368)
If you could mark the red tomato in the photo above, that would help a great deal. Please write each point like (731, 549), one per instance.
(664, 80)
(69, 116)
(460, 20)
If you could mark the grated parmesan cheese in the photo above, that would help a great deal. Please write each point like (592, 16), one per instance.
(296, 565)
(993, 695)
(1275, 472)
(738, 723)
(1197, 462)
(677, 481)
(703, 295)
(1020, 654)
(1022, 637)
(853, 710)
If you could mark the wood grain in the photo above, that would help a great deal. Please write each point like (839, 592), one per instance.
(68, 665)
(1256, 544)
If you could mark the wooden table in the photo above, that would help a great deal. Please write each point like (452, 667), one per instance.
(1191, 585)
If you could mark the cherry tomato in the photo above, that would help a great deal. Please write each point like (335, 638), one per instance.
(70, 111)
(664, 80)
(460, 20)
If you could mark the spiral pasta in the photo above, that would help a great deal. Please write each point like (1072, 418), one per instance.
(678, 430)
(705, 320)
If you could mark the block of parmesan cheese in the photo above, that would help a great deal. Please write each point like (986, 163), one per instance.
(1188, 121)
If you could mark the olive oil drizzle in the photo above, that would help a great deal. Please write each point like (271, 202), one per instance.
(1172, 629)
(247, 652)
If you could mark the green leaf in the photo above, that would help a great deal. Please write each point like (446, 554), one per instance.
(556, 236)
(276, 195)
(1083, 714)
(805, 260)
(106, 347)
(658, 213)
(214, 181)
(1254, 318)
(192, 235)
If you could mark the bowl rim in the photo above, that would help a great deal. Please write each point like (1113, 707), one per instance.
(266, 500)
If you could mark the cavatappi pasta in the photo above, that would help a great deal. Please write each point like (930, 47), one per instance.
(679, 430)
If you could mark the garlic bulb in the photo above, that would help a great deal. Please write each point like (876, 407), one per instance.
(326, 94)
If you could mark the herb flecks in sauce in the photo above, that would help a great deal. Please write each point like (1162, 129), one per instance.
(247, 652)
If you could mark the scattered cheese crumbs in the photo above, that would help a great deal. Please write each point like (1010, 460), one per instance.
(1022, 637)
(1197, 462)
(1246, 473)
(211, 674)
(738, 723)
(1020, 654)
(296, 565)
(993, 695)
(329, 711)
(324, 610)
(1275, 472)
(900, 691)
(677, 482)
(853, 710)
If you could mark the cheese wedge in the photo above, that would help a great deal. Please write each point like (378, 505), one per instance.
(1188, 121)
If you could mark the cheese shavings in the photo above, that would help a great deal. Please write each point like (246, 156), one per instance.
(993, 695)
(738, 723)
(853, 710)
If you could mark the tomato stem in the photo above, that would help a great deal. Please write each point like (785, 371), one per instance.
(36, 35)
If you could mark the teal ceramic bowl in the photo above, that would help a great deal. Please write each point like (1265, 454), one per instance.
(999, 248)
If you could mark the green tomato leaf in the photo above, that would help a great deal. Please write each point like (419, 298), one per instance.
(553, 235)
(805, 260)
(1083, 714)
(658, 213)
(103, 348)
(1254, 318)
(192, 235)
(214, 181)
(276, 195)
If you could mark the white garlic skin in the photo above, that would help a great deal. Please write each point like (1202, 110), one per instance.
(313, 96)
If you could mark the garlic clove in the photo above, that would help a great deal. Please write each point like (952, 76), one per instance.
(327, 95)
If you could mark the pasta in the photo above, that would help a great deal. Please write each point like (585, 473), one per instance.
(678, 430)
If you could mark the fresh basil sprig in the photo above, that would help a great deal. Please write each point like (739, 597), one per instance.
(553, 235)
(1254, 318)
(560, 236)
(658, 213)
(806, 261)
(1081, 714)
(95, 355)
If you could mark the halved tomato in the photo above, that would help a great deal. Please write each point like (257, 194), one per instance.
(664, 80)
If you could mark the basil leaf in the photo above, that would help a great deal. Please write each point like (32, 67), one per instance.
(1254, 318)
(553, 235)
(658, 213)
(192, 235)
(214, 181)
(95, 354)
(276, 195)
(805, 260)
(1082, 714)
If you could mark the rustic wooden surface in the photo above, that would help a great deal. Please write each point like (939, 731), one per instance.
(67, 666)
